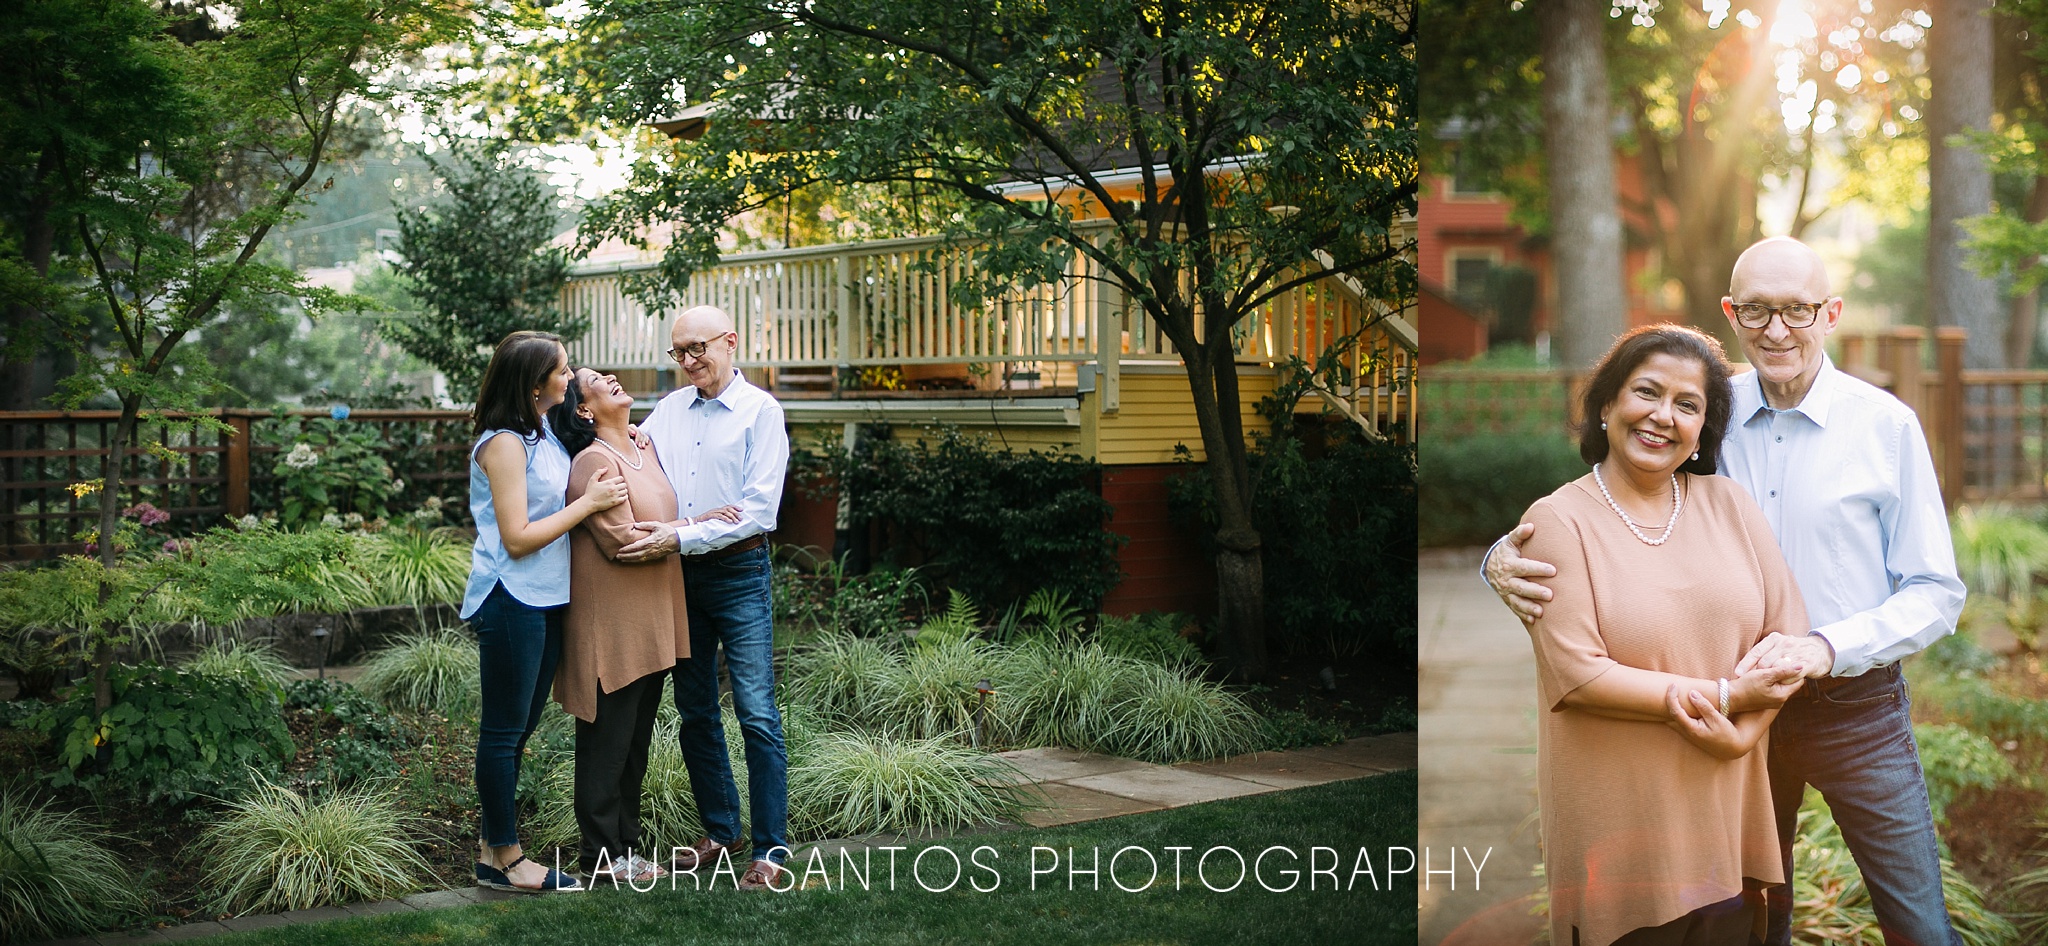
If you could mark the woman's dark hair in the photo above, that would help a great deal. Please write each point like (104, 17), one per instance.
(576, 433)
(504, 401)
(1629, 352)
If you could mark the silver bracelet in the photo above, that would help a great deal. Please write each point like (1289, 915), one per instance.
(1724, 696)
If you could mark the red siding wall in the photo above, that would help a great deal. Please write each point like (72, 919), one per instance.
(803, 521)
(1164, 568)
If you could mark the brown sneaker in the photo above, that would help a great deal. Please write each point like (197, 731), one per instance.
(761, 872)
(705, 851)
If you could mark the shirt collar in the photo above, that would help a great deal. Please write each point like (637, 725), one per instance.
(1750, 403)
(726, 397)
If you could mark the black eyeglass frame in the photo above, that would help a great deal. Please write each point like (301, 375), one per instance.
(692, 350)
(1781, 312)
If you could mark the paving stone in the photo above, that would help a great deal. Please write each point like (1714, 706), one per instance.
(1169, 787)
(255, 921)
(379, 908)
(315, 915)
(440, 899)
(1056, 764)
(1277, 769)
(1072, 803)
(197, 930)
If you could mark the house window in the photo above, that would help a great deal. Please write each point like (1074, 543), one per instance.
(1466, 271)
(1468, 179)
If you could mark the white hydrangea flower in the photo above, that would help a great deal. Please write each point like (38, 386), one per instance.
(301, 457)
(331, 521)
(248, 522)
(397, 486)
(352, 520)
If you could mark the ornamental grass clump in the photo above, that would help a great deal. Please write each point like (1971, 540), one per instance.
(844, 679)
(256, 662)
(1170, 717)
(848, 784)
(417, 567)
(668, 810)
(278, 850)
(932, 691)
(1051, 693)
(58, 874)
(434, 671)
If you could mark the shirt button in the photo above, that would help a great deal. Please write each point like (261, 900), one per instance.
(1780, 440)
(1774, 492)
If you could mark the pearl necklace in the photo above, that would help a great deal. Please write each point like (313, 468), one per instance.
(638, 461)
(1677, 503)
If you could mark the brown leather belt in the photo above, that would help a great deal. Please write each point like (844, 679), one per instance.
(747, 544)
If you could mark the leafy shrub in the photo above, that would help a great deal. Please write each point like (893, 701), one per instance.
(993, 523)
(1984, 708)
(170, 735)
(1472, 490)
(1153, 637)
(358, 735)
(435, 671)
(275, 849)
(330, 466)
(256, 662)
(418, 567)
(1953, 759)
(1338, 516)
(1959, 655)
(875, 604)
(58, 874)
(848, 784)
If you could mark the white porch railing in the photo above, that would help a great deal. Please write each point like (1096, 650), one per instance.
(786, 305)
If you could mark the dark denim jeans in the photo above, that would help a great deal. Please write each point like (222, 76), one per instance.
(732, 621)
(1852, 738)
(517, 648)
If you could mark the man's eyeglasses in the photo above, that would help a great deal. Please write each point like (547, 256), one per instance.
(1796, 315)
(692, 350)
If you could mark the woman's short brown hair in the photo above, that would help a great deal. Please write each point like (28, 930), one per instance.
(504, 401)
(1629, 352)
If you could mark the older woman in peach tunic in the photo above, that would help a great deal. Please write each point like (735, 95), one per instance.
(625, 629)
(1655, 800)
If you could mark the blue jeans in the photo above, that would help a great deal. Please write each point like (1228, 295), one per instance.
(732, 621)
(517, 648)
(1852, 738)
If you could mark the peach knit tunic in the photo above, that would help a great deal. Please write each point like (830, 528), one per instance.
(1640, 826)
(625, 621)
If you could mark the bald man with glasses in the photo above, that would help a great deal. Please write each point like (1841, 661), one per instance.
(722, 442)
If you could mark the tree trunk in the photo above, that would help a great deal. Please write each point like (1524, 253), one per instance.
(1585, 219)
(110, 511)
(1959, 181)
(1240, 568)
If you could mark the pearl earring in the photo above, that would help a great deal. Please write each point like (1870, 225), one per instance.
(1695, 454)
(1603, 425)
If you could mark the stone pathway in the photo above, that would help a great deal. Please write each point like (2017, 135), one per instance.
(1476, 693)
(1082, 786)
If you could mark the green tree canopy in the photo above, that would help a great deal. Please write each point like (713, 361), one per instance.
(480, 264)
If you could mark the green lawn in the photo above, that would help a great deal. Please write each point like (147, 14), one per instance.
(1373, 814)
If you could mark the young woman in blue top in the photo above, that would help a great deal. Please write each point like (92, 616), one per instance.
(519, 581)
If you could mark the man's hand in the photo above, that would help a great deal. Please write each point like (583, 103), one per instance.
(1765, 687)
(640, 440)
(1709, 730)
(659, 543)
(1509, 573)
(723, 514)
(1810, 651)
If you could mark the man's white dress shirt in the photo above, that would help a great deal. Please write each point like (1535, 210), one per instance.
(1846, 481)
(730, 450)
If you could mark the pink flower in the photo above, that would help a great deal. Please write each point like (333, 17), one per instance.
(147, 514)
